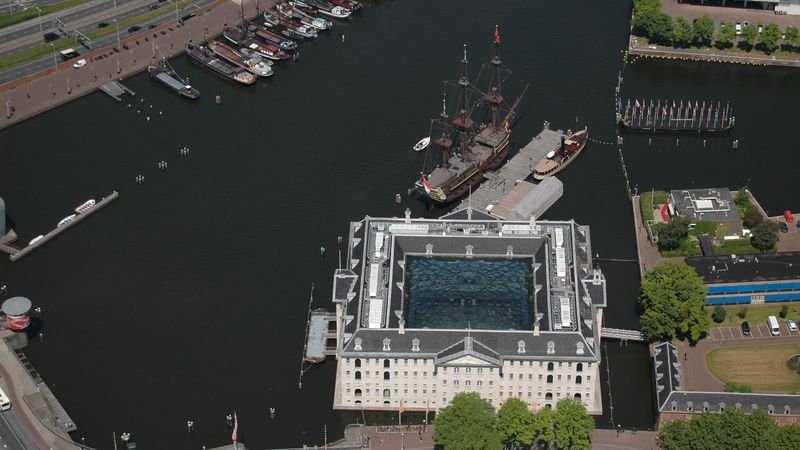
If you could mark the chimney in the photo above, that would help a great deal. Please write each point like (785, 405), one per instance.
(402, 328)
(408, 215)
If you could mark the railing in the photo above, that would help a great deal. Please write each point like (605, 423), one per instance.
(622, 334)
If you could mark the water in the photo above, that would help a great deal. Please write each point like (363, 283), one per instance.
(186, 298)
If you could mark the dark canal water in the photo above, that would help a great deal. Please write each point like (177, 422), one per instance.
(186, 299)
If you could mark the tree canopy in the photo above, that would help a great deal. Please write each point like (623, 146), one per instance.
(792, 36)
(467, 423)
(703, 30)
(515, 423)
(542, 428)
(725, 34)
(732, 429)
(769, 37)
(573, 426)
(749, 35)
(682, 34)
(765, 235)
(673, 298)
(671, 233)
(650, 21)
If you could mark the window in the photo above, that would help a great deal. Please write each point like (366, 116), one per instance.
(550, 379)
(387, 393)
(455, 382)
(358, 362)
(530, 376)
(548, 396)
(577, 396)
(358, 393)
(386, 403)
(467, 383)
(424, 374)
(578, 379)
(358, 374)
(444, 382)
(520, 376)
(519, 394)
(559, 378)
(395, 373)
(468, 370)
(480, 371)
(347, 373)
(385, 363)
(491, 382)
(405, 373)
(386, 375)
(559, 364)
(550, 367)
(569, 377)
(588, 378)
(569, 364)
(480, 383)
(347, 360)
(455, 369)
(415, 373)
(579, 367)
(540, 377)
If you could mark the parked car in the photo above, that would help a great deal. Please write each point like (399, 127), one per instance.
(79, 63)
(746, 328)
(154, 6)
(151, 26)
(102, 24)
(784, 227)
(738, 28)
(760, 27)
(50, 37)
(792, 325)
(134, 29)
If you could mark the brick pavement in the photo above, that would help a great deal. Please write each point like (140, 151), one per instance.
(40, 92)
(611, 440)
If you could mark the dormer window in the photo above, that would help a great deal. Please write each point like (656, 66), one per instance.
(386, 344)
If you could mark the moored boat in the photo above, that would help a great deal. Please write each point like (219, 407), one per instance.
(288, 11)
(268, 37)
(36, 239)
(85, 206)
(252, 63)
(218, 66)
(66, 220)
(170, 79)
(422, 144)
(291, 25)
(352, 5)
(556, 160)
(328, 9)
(245, 40)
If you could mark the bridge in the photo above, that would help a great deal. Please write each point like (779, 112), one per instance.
(623, 335)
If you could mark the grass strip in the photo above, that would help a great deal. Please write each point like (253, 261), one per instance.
(31, 13)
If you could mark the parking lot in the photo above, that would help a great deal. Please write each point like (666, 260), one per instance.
(757, 331)
(729, 14)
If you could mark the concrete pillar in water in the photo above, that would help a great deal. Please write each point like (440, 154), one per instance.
(2, 218)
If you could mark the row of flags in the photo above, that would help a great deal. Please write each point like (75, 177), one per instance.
(656, 113)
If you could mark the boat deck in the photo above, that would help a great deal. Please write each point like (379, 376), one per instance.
(503, 180)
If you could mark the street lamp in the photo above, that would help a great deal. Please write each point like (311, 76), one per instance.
(117, 24)
(40, 21)
(177, 21)
(55, 60)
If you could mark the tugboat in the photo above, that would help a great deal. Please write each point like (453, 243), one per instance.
(480, 148)
(221, 68)
(170, 79)
(556, 160)
(251, 63)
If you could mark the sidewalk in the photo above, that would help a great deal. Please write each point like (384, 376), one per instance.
(40, 92)
(611, 440)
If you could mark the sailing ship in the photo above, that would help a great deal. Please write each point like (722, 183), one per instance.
(169, 78)
(465, 151)
(556, 160)
(675, 117)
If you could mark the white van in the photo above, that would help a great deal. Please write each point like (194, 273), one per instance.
(772, 323)
(5, 403)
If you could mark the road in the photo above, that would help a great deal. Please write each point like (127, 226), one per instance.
(15, 72)
(13, 434)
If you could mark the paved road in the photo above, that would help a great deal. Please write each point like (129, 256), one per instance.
(13, 434)
(19, 71)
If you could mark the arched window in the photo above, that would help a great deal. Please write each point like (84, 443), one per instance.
(549, 366)
(386, 375)
(579, 367)
(358, 402)
(386, 403)
(548, 396)
(358, 362)
(549, 378)
(578, 379)
(358, 374)
(577, 396)
(385, 363)
(386, 393)
(358, 393)
(548, 406)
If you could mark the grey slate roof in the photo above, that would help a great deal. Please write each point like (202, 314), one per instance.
(666, 363)
(744, 268)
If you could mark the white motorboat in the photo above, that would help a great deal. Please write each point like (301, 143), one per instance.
(422, 144)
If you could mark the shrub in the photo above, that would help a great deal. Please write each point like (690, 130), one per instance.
(719, 314)
(784, 311)
(742, 312)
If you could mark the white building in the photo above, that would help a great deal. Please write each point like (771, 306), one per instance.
(467, 303)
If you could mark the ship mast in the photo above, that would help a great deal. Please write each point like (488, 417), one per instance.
(494, 96)
(444, 140)
(463, 121)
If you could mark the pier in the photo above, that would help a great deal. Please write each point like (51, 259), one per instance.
(116, 90)
(501, 182)
(319, 333)
(16, 254)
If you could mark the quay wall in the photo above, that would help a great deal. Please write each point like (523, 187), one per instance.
(45, 90)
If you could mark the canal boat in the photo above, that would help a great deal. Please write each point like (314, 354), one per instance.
(169, 78)
(36, 239)
(208, 59)
(266, 36)
(249, 62)
(85, 206)
(352, 5)
(244, 40)
(288, 11)
(466, 150)
(422, 144)
(291, 25)
(325, 8)
(559, 158)
(66, 220)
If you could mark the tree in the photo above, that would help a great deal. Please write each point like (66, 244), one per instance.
(725, 35)
(733, 387)
(742, 312)
(650, 21)
(672, 233)
(573, 425)
(467, 423)
(719, 314)
(784, 311)
(672, 297)
(752, 217)
(542, 428)
(703, 30)
(682, 33)
(769, 37)
(765, 235)
(749, 35)
(792, 36)
(515, 422)
(732, 429)
(788, 437)
(742, 199)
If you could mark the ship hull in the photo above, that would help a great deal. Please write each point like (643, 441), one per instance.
(563, 165)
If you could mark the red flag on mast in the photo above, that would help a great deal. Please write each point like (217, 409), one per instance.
(497, 34)
(235, 435)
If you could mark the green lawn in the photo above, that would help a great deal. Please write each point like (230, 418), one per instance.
(32, 13)
(646, 199)
(763, 367)
(735, 247)
(756, 314)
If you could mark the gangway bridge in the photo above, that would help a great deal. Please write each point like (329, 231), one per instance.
(622, 334)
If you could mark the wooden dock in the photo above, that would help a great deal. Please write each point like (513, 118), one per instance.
(16, 254)
(116, 90)
(517, 169)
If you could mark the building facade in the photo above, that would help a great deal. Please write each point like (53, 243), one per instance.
(429, 308)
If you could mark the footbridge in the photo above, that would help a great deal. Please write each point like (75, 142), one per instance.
(622, 334)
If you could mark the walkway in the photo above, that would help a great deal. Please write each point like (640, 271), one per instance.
(627, 439)
(37, 93)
